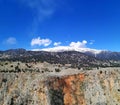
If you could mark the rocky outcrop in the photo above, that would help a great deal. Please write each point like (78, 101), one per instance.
(22, 89)
(96, 87)
(87, 88)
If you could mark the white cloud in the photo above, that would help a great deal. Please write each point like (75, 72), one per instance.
(11, 41)
(40, 42)
(42, 8)
(57, 43)
(78, 44)
(92, 42)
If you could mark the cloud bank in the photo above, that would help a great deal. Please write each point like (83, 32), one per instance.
(80, 46)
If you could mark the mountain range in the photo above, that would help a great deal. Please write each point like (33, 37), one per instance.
(100, 54)
(76, 58)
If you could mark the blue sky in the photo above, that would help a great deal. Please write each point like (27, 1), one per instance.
(37, 24)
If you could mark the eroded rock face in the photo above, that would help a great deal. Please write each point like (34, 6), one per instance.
(22, 89)
(96, 87)
(88, 88)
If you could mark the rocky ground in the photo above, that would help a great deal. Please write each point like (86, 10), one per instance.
(47, 84)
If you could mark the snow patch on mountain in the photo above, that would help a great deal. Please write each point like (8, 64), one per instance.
(69, 48)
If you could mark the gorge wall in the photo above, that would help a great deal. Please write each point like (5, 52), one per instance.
(94, 87)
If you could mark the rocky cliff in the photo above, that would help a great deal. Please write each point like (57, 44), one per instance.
(94, 87)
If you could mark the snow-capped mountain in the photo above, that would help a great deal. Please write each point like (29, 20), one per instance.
(101, 54)
(74, 58)
(68, 48)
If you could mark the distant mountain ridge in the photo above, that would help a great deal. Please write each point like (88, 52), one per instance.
(99, 54)
(106, 55)
(75, 58)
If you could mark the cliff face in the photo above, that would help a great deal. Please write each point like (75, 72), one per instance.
(97, 87)
(22, 89)
(87, 88)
